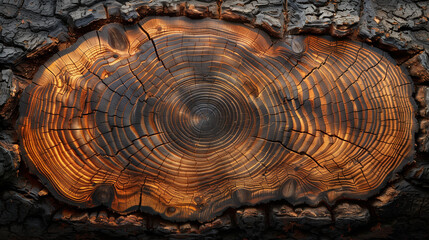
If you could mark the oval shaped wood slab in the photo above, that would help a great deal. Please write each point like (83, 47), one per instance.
(185, 118)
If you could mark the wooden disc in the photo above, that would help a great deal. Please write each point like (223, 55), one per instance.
(185, 118)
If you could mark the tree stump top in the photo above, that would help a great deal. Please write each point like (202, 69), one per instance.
(186, 118)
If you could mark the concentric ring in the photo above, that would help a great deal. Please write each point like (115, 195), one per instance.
(202, 118)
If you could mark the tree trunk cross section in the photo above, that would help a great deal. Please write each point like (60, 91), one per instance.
(186, 118)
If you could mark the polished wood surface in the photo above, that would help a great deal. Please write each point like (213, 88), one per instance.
(185, 118)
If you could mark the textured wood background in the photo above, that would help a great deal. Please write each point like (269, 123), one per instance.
(32, 31)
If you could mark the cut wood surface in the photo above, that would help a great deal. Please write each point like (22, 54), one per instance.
(186, 118)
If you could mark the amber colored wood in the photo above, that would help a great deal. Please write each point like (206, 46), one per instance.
(185, 118)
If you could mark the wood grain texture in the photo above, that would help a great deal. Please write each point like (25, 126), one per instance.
(185, 118)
